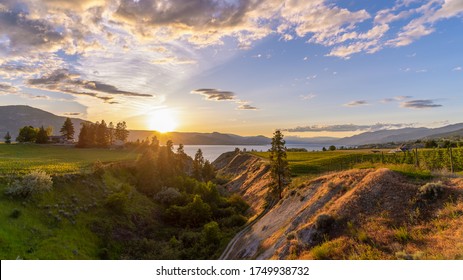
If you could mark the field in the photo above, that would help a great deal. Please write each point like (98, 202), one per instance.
(22, 158)
(419, 164)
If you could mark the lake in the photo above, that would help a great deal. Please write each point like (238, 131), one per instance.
(211, 152)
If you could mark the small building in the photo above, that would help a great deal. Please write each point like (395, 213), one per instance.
(57, 139)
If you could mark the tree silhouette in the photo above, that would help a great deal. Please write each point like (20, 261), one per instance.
(7, 138)
(280, 172)
(67, 130)
(27, 134)
(42, 136)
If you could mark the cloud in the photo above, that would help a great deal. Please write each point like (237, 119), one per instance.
(419, 104)
(349, 127)
(220, 95)
(215, 94)
(396, 98)
(72, 114)
(246, 107)
(458, 68)
(174, 61)
(63, 81)
(8, 88)
(424, 19)
(308, 96)
(356, 103)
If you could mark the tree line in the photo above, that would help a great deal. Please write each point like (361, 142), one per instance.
(97, 134)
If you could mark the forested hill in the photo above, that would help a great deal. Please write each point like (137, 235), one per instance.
(17, 116)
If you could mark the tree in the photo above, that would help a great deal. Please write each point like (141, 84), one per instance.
(42, 136)
(67, 130)
(332, 148)
(198, 164)
(27, 134)
(121, 131)
(101, 136)
(7, 138)
(280, 173)
(208, 171)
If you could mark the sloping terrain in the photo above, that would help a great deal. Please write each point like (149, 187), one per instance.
(354, 214)
(250, 177)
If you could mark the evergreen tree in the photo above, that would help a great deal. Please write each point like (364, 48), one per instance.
(198, 164)
(182, 158)
(101, 134)
(7, 138)
(280, 172)
(208, 171)
(67, 130)
(42, 136)
(84, 136)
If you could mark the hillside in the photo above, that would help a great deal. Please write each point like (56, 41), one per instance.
(357, 214)
(396, 135)
(196, 138)
(17, 116)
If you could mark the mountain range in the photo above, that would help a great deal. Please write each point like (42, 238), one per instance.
(14, 117)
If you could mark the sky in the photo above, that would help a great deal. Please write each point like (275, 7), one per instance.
(248, 67)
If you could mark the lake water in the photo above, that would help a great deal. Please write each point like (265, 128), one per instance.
(211, 152)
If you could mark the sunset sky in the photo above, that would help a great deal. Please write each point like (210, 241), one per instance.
(310, 68)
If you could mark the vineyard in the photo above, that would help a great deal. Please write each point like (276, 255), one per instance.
(425, 160)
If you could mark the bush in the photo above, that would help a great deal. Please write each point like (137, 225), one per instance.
(168, 196)
(431, 191)
(324, 222)
(117, 202)
(15, 214)
(33, 183)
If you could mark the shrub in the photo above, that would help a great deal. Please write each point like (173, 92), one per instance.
(168, 196)
(324, 222)
(431, 191)
(32, 183)
(117, 202)
(15, 213)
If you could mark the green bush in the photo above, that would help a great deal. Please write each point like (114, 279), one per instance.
(33, 183)
(15, 213)
(431, 191)
(117, 202)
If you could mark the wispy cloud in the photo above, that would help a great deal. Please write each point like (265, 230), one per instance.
(308, 96)
(215, 94)
(72, 114)
(420, 104)
(349, 127)
(356, 103)
(458, 68)
(8, 88)
(221, 95)
(64, 81)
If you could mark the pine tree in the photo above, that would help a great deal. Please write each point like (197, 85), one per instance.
(67, 130)
(280, 172)
(101, 134)
(42, 136)
(7, 138)
(198, 165)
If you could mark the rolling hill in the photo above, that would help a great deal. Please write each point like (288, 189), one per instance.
(17, 116)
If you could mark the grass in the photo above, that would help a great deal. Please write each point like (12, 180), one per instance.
(19, 159)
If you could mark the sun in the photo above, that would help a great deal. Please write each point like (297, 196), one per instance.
(163, 121)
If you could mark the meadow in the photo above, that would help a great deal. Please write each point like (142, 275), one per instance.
(19, 159)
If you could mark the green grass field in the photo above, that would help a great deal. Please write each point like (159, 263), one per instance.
(306, 163)
(22, 158)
